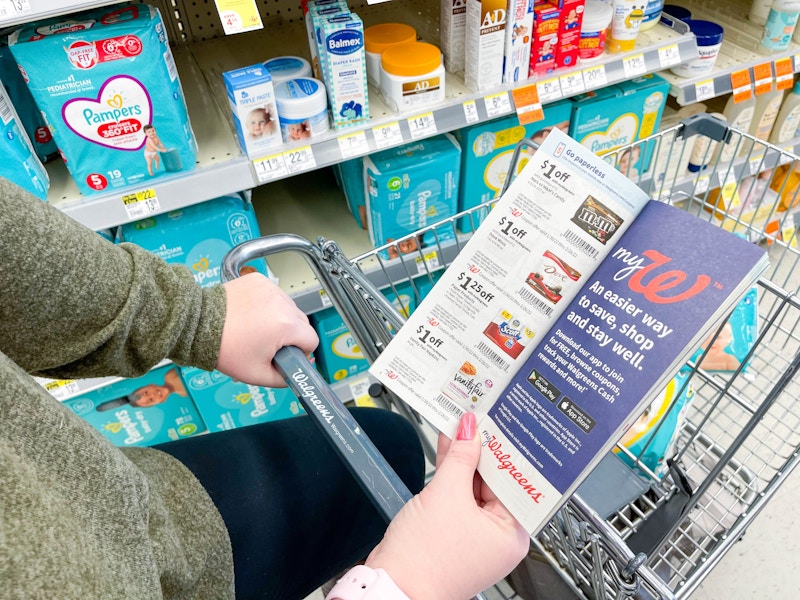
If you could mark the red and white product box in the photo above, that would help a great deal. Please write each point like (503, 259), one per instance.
(546, 21)
(569, 36)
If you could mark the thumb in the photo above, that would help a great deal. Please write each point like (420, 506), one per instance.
(461, 460)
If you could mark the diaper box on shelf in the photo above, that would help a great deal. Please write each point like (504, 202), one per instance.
(227, 404)
(18, 160)
(338, 355)
(143, 411)
(106, 83)
(349, 176)
(198, 236)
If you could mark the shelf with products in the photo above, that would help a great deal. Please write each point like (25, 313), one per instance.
(739, 66)
(222, 167)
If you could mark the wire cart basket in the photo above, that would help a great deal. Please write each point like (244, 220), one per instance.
(740, 435)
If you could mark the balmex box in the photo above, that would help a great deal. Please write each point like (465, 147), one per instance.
(485, 43)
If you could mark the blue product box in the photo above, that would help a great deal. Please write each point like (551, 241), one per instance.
(143, 411)
(252, 102)
(486, 151)
(227, 404)
(338, 355)
(606, 119)
(198, 236)
(411, 186)
(350, 177)
(18, 161)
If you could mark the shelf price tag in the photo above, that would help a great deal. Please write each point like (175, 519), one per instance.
(762, 74)
(741, 85)
(14, 8)
(431, 259)
(784, 73)
(704, 90)
(61, 389)
(595, 77)
(549, 89)
(669, 55)
(387, 135)
(634, 65)
(270, 168)
(526, 101)
(325, 299)
(141, 204)
(359, 388)
(755, 164)
(423, 125)
(572, 83)
(238, 16)
(797, 62)
(353, 144)
(497, 104)
(299, 160)
(471, 111)
(701, 184)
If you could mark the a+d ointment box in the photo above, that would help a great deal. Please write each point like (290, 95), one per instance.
(252, 102)
(199, 236)
(143, 411)
(618, 115)
(485, 43)
(227, 404)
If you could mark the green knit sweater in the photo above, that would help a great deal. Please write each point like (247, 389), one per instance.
(80, 518)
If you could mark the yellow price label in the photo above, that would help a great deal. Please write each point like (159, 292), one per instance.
(238, 16)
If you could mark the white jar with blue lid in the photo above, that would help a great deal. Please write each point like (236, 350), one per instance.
(302, 108)
(282, 68)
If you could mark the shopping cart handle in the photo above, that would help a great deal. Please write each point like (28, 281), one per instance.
(378, 480)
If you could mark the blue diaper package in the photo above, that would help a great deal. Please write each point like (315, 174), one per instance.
(198, 236)
(411, 187)
(106, 84)
(227, 404)
(143, 411)
(350, 178)
(29, 116)
(18, 162)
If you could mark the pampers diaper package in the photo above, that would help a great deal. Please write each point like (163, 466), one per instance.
(410, 187)
(227, 404)
(198, 236)
(106, 84)
(18, 162)
(147, 410)
(486, 151)
(611, 117)
(349, 176)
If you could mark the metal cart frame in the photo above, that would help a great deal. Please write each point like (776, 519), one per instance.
(740, 437)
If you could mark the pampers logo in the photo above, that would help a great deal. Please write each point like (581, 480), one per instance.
(345, 41)
(621, 132)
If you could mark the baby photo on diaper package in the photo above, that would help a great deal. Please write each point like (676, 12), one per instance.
(106, 84)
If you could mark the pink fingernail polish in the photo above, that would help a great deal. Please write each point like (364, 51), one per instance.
(466, 428)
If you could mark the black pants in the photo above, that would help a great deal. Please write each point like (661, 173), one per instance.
(295, 515)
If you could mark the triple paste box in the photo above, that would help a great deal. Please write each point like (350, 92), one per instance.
(252, 101)
(152, 409)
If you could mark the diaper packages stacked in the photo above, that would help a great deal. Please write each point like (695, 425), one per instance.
(18, 162)
(106, 84)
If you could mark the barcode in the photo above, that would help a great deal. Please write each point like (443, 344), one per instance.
(582, 245)
(493, 356)
(5, 109)
(171, 68)
(450, 407)
(537, 303)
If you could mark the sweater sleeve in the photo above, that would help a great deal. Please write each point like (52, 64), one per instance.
(73, 304)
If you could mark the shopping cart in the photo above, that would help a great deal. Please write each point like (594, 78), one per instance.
(740, 436)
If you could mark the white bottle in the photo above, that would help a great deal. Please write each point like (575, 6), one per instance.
(785, 128)
(780, 26)
(759, 11)
(766, 112)
(739, 116)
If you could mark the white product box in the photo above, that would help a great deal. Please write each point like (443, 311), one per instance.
(252, 100)
(519, 31)
(453, 30)
(485, 43)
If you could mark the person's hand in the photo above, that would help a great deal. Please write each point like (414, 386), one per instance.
(454, 539)
(260, 319)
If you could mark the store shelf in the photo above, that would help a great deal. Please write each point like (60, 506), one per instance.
(15, 12)
(738, 52)
(223, 169)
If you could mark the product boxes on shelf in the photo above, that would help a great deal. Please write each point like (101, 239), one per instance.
(143, 411)
(198, 236)
(349, 175)
(453, 30)
(227, 404)
(485, 43)
(609, 118)
(519, 31)
(252, 101)
(106, 84)
(411, 187)
(316, 11)
(344, 67)
(486, 152)
(18, 161)
(338, 355)
(546, 23)
(569, 32)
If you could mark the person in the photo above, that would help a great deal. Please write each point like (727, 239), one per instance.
(298, 131)
(260, 123)
(152, 147)
(150, 394)
(262, 511)
(626, 161)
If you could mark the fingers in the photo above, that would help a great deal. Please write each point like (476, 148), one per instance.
(459, 464)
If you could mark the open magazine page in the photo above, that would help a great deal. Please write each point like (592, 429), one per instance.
(668, 281)
(521, 268)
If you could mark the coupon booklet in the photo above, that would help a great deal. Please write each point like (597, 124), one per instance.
(572, 306)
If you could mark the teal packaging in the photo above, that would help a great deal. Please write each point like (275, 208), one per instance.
(607, 119)
(486, 151)
(106, 84)
(227, 404)
(411, 187)
(198, 236)
(29, 116)
(349, 175)
(338, 356)
(18, 161)
(143, 411)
